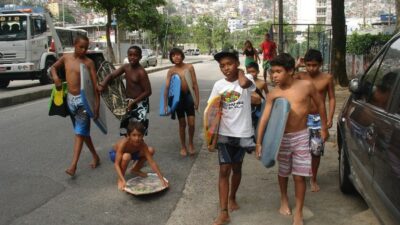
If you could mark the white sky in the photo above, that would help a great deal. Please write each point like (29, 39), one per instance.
(306, 11)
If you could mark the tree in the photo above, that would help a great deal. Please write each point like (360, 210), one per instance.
(397, 3)
(137, 10)
(338, 66)
(203, 31)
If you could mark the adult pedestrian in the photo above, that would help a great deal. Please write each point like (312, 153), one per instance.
(250, 52)
(268, 47)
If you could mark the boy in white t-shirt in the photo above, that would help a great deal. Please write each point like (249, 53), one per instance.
(235, 129)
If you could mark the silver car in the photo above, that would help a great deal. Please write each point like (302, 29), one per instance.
(148, 58)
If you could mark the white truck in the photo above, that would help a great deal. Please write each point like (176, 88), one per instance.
(26, 49)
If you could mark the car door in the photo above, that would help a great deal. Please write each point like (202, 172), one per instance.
(386, 154)
(360, 138)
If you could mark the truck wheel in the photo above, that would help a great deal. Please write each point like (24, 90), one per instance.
(46, 78)
(4, 83)
(346, 186)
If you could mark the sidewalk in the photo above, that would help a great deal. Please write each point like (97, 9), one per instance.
(258, 194)
(18, 96)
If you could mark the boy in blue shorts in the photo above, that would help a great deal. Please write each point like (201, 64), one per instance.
(235, 130)
(80, 118)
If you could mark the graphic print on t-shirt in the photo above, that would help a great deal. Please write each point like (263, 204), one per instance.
(230, 100)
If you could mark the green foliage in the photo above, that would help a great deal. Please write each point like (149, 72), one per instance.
(360, 44)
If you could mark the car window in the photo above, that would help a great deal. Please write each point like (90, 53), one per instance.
(368, 80)
(386, 77)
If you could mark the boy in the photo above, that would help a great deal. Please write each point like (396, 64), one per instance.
(235, 134)
(257, 96)
(138, 89)
(79, 116)
(187, 104)
(133, 147)
(294, 155)
(323, 82)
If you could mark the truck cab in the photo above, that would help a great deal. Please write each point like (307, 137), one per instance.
(24, 47)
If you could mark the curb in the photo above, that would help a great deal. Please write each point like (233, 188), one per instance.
(45, 91)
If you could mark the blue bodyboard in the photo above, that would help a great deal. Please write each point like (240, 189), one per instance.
(274, 131)
(88, 99)
(174, 93)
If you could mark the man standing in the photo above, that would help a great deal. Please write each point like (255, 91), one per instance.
(268, 47)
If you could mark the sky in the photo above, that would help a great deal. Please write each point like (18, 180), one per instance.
(306, 12)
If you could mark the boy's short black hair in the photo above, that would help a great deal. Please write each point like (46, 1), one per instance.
(285, 60)
(176, 51)
(81, 37)
(313, 55)
(135, 47)
(253, 65)
(231, 53)
(135, 125)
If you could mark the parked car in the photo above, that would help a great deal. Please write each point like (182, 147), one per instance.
(369, 135)
(148, 58)
(191, 51)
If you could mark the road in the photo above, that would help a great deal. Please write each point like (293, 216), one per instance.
(36, 149)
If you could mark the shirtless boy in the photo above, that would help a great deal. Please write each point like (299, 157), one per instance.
(323, 82)
(80, 118)
(138, 89)
(132, 147)
(294, 156)
(187, 105)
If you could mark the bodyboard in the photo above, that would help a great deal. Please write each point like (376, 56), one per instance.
(144, 185)
(211, 120)
(189, 81)
(88, 99)
(174, 93)
(274, 131)
(114, 95)
(58, 101)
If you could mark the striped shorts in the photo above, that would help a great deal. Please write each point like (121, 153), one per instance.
(294, 155)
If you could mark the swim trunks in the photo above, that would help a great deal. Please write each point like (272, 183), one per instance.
(138, 113)
(232, 149)
(316, 143)
(185, 105)
(294, 154)
(80, 118)
(134, 156)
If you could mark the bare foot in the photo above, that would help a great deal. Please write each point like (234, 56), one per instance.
(232, 205)
(223, 218)
(314, 186)
(298, 220)
(95, 163)
(183, 152)
(70, 171)
(139, 173)
(285, 209)
(192, 152)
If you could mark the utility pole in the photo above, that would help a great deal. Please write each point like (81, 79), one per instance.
(280, 6)
(63, 12)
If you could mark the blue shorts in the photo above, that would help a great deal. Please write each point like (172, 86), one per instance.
(313, 121)
(233, 149)
(80, 118)
(134, 156)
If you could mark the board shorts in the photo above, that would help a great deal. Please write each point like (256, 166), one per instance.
(134, 156)
(248, 60)
(316, 143)
(80, 118)
(138, 113)
(266, 64)
(185, 105)
(232, 149)
(294, 154)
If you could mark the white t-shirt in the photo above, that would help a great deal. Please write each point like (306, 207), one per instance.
(236, 107)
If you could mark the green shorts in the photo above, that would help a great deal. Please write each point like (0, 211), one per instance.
(266, 65)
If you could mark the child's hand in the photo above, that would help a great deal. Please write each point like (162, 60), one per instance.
(329, 124)
(258, 151)
(324, 134)
(164, 182)
(166, 109)
(121, 185)
(131, 103)
(100, 88)
(196, 106)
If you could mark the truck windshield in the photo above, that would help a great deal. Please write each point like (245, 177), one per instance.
(12, 28)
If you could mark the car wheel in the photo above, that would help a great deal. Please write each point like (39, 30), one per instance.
(346, 186)
(46, 78)
(4, 83)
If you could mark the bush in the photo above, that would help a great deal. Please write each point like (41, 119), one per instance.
(361, 44)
